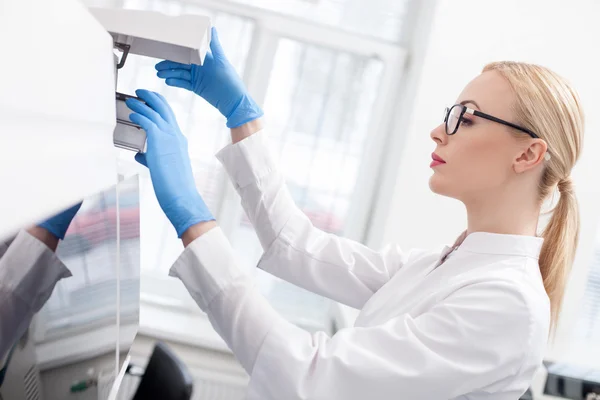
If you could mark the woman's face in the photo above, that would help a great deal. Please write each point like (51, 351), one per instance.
(480, 156)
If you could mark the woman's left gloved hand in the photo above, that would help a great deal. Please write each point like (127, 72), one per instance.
(216, 81)
(168, 160)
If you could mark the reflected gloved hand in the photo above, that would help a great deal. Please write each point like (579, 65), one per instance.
(217, 82)
(169, 162)
(58, 224)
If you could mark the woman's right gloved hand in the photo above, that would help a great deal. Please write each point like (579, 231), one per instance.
(168, 160)
(216, 82)
(59, 223)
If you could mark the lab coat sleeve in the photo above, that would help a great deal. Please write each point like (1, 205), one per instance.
(295, 250)
(29, 271)
(459, 346)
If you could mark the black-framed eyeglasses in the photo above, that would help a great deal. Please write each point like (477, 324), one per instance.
(453, 118)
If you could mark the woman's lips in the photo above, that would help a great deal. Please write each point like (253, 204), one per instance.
(437, 160)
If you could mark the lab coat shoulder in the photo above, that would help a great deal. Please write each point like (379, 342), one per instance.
(479, 339)
(516, 277)
(512, 311)
(504, 326)
(514, 288)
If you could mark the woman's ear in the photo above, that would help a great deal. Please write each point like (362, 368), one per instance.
(530, 156)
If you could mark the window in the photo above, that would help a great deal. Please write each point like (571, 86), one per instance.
(324, 72)
(380, 18)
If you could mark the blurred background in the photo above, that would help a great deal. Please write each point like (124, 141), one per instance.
(351, 90)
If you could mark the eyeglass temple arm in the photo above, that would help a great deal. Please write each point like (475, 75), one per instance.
(500, 121)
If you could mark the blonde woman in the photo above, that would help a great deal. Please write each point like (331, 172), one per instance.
(470, 322)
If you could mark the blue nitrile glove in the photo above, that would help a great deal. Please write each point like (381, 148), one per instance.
(169, 162)
(58, 224)
(216, 82)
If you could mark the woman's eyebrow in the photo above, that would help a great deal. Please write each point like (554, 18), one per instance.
(465, 102)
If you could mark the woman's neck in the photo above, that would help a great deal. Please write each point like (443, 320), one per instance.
(503, 213)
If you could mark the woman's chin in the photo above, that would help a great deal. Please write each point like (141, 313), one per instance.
(437, 185)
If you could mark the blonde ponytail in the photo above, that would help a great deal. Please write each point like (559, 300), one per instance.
(560, 241)
(548, 105)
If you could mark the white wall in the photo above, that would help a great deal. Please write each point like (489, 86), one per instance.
(467, 34)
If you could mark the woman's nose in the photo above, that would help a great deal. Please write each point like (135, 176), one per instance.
(438, 135)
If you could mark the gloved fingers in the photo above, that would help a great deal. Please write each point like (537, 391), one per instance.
(144, 122)
(160, 96)
(159, 104)
(143, 109)
(180, 83)
(215, 44)
(166, 64)
(141, 158)
(186, 75)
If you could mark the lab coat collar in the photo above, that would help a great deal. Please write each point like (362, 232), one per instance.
(496, 243)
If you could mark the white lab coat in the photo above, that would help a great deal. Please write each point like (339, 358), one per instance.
(473, 325)
(29, 271)
(465, 324)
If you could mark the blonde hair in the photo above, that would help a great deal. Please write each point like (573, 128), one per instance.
(550, 107)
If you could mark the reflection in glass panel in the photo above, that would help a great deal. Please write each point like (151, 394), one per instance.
(320, 104)
(89, 313)
(89, 251)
